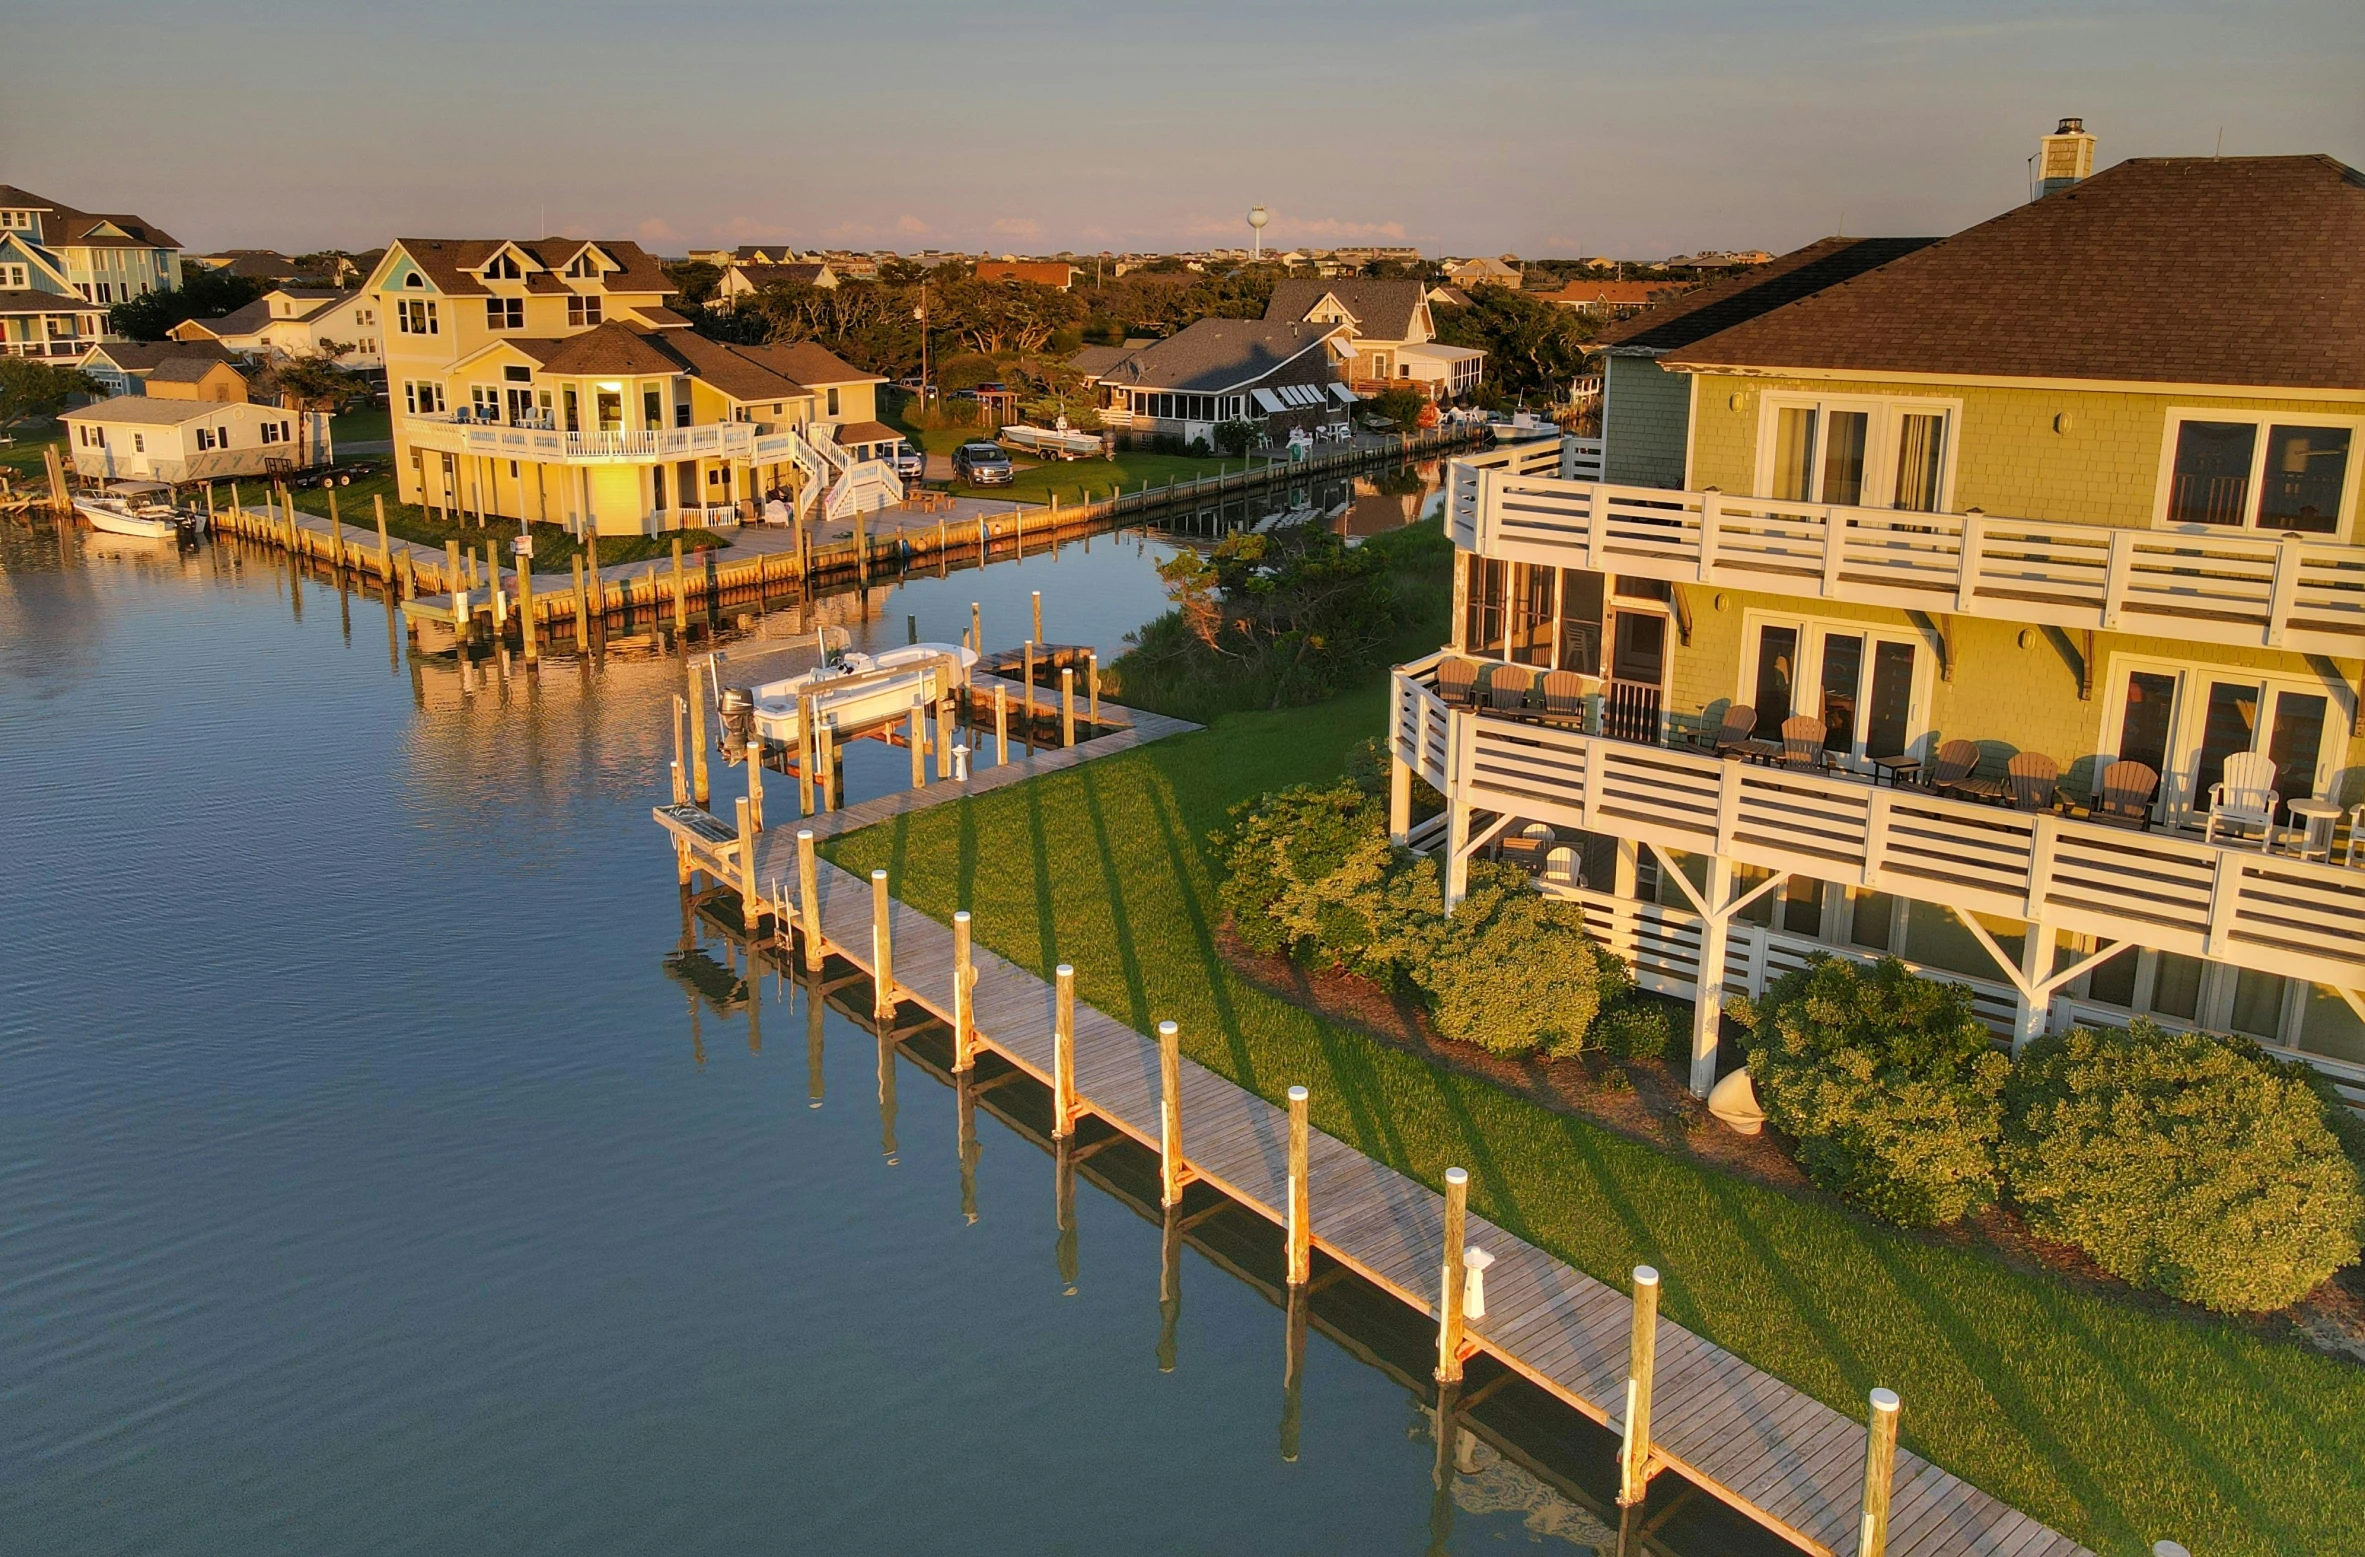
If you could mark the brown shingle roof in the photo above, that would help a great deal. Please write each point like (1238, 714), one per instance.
(184, 369)
(1383, 310)
(1220, 354)
(808, 363)
(451, 262)
(799, 274)
(609, 348)
(146, 356)
(730, 369)
(1681, 319)
(2235, 270)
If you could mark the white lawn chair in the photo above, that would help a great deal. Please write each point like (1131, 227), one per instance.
(2244, 798)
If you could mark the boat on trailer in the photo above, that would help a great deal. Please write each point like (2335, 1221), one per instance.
(134, 508)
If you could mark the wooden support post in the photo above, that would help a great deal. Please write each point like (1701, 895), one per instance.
(918, 739)
(681, 765)
(882, 950)
(809, 901)
(1001, 724)
(943, 737)
(1449, 1296)
(1880, 1464)
(964, 987)
(1642, 1351)
(755, 778)
(582, 607)
(751, 906)
(698, 787)
(805, 750)
(451, 580)
(1067, 705)
(1092, 686)
(1301, 1229)
(1170, 1138)
(1038, 632)
(829, 766)
(385, 546)
(681, 594)
(336, 533)
(977, 622)
(525, 608)
(1028, 659)
(1063, 1051)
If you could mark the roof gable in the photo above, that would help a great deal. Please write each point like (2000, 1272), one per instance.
(1215, 355)
(1380, 310)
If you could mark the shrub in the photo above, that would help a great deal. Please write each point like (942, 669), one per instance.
(1637, 1027)
(1235, 438)
(1511, 971)
(2191, 1165)
(1887, 1082)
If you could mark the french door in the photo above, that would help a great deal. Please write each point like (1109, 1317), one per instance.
(1867, 685)
(2184, 723)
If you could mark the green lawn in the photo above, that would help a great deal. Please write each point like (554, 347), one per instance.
(22, 459)
(1074, 481)
(554, 548)
(361, 427)
(2114, 1423)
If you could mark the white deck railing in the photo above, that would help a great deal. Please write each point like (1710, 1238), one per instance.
(2170, 892)
(2287, 592)
(714, 440)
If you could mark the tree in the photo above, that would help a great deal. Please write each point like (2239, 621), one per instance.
(202, 294)
(30, 389)
(1532, 347)
(313, 380)
(694, 281)
(1399, 403)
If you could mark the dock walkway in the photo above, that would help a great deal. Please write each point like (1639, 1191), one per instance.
(1778, 1455)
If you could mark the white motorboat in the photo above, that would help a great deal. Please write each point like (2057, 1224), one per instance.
(850, 692)
(132, 508)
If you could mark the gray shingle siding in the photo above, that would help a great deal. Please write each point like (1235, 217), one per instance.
(1646, 423)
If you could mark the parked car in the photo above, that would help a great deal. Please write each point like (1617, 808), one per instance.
(910, 463)
(983, 465)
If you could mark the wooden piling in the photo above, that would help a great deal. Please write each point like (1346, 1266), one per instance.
(943, 738)
(1038, 633)
(698, 787)
(1001, 724)
(1880, 1465)
(451, 581)
(582, 607)
(751, 906)
(1067, 705)
(809, 900)
(1092, 686)
(977, 619)
(385, 546)
(681, 594)
(525, 608)
(918, 740)
(1170, 1138)
(1449, 1296)
(681, 763)
(882, 950)
(1642, 1351)
(755, 778)
(1029, 693)
(1063, 1052)
(828, 758)
(1301, 1231)
(805, 749)
(336, 533)
(964, 988)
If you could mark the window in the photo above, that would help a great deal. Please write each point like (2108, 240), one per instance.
(2258, 473)
(1486, 582)
(653, 407)
(205, 439)
(1868, 686)
(505, 313)
(503, 268)
(1856, 453)
(2184, 721)
(484, 401)
(270, 433)
(582, 267)
(421, 398)
(222, 436)
(415, 316)
(833, 400)
(13, 277)
(582, 310)
(139, 443)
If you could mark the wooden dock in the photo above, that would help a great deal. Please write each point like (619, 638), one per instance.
(1779, 1456)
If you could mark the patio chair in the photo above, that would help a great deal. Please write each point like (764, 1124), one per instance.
(2032, 776)
(1953, 773)
(1528, 847)
(2356, 827)
(1563, 697)
(1506, 689)
(1457, 683)
(1727, 738)
(1560, 867)
(2124, 796)
(2245, 797)
(1802, 741)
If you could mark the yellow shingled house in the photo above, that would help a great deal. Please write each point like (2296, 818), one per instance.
(547, 380)
(1996, 602)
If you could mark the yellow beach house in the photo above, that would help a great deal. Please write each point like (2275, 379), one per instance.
(547, 380)
(1996, 602)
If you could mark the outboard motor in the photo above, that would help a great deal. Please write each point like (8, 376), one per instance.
(738, 718)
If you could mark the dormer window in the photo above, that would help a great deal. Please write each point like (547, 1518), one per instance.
(503, 268)
(583, 268)
(414, 280)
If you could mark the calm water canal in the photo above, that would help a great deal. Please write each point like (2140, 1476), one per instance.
(368, 1184)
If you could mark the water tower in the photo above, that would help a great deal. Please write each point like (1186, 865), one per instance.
(1257, 217)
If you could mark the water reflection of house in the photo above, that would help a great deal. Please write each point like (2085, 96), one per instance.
(1374, 508)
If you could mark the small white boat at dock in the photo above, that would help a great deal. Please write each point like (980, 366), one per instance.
(132, 508)
(850, 693)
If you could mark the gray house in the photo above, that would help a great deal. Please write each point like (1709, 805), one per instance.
(1281, 376)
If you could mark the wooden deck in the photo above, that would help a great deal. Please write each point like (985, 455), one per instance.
(1776, 1454)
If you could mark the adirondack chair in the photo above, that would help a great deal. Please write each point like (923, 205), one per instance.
(1506, 689)
(1728, 738)
(2124, 797)
(1951, 774)
(1457, 683)
(2244, 798)
(1802, 741)
(2356, 832)
(1560, 867)
(1527, 847)
(1563, 697)
(2032, 776)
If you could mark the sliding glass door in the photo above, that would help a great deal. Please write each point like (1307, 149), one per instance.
(1863, 683)
(2185, 724)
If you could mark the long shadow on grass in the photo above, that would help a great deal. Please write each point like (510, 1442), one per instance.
(1995, 1371)
(965, 870)
(1811, 1311)
(1587, 1143)
(1227, 1015)
(1046, 911)
(1353, 1061)
(1137, 995)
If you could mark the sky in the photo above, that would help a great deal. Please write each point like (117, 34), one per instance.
(1576, 129)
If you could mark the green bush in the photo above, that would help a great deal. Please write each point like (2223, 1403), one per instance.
(1637, 1026)
(1890, 1086)
(2191, 1165)
(1511, 971)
